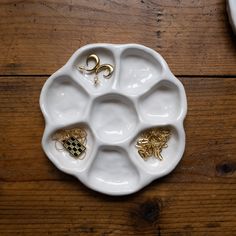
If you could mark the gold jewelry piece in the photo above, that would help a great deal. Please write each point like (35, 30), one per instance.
(91, 57)
(72, 140)
(73, 146)
(152, 141)
(97, 68)
(106, 67)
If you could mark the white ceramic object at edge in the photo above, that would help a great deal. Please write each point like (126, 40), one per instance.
(231, 8)
(142, 93)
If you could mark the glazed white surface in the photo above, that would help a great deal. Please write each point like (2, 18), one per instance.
(142, 93)
(231, 8)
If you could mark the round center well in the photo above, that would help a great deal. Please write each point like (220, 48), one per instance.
(113, 118)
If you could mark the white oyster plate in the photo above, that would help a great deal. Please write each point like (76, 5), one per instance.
(142, 93)
(231, 8)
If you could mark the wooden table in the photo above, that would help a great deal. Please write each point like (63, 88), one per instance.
(195, 38)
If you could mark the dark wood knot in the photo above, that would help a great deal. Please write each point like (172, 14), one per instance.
(226, 168)
(149, 211)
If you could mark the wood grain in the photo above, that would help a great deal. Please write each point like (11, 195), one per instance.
(66, 208)
(37, 37)
(198, 198)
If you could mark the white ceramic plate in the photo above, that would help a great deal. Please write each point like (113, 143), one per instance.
(231, 8)
(142, 93)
